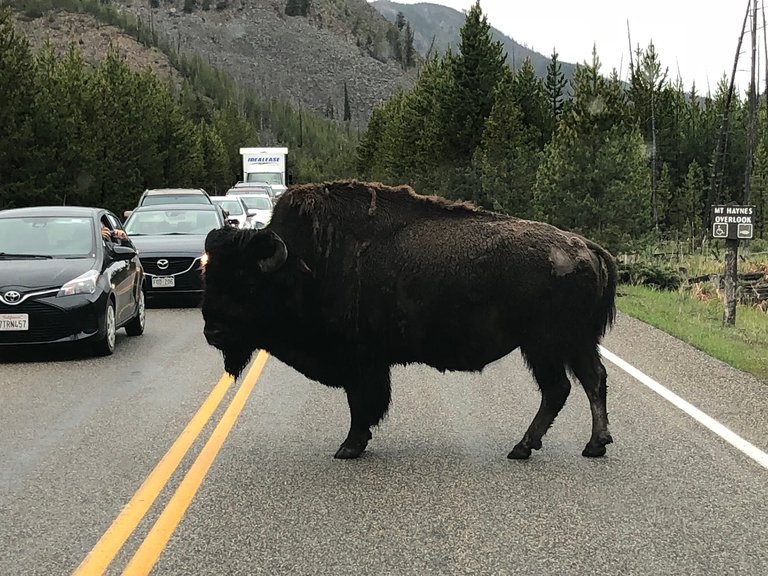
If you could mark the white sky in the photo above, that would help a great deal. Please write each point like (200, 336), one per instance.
(695, 40)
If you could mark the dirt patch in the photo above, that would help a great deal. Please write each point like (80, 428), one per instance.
(92, 38)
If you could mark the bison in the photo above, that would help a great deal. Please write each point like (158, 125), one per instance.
(351, 278)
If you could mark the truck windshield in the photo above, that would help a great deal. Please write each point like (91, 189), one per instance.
(154, 200)
(266, 177)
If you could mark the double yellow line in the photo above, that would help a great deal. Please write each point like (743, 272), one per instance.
(146, 556)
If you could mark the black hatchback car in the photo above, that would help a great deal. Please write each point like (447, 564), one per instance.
(64, 280)
(171, 242)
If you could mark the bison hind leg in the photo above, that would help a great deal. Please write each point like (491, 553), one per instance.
(549, 372)
(588, 368)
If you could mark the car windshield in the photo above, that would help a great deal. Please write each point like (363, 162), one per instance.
(166, 222)
(232, 206)
(257, 202)
(266, 177)
(255, 189)
(154, 200)
(46, 236)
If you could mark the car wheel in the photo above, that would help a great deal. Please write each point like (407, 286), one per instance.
(135, 326)
(106, 346)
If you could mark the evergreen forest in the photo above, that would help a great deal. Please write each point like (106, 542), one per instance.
(626, 162)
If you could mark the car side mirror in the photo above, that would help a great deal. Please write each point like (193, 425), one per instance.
(120, 252)
(126, 214)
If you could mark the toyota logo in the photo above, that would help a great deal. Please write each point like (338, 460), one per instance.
(162, 264)
(12, 297)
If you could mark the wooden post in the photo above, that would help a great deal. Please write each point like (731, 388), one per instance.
(730, 281)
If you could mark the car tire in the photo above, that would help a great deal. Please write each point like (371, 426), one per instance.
(106, 346)
(135, 326)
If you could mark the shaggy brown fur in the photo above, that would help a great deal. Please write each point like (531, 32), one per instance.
(374, 275)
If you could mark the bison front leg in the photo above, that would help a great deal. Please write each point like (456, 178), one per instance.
(368, 397)
(554, 385)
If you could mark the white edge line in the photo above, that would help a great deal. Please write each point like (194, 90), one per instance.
(725, 433)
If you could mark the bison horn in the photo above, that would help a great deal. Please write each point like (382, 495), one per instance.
(278, 258)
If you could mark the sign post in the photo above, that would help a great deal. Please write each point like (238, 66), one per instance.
(732, 223)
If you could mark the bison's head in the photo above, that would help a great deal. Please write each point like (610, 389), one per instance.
(243, 291)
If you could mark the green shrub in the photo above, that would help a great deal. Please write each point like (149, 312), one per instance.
(648, 274)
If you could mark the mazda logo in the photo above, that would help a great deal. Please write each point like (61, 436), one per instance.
(162, 264)
(12, 297)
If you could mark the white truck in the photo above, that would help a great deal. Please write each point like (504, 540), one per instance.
(265, 165)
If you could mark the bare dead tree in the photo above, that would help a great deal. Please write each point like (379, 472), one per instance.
(732, 246)
(631, 62)
(752, 110)
(765, 56)
(718, 155)
(431, 47)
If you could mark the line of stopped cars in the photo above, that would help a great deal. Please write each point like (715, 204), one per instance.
(76, 275)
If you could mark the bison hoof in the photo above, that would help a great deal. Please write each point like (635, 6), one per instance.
(353, 446)
(596, 448)
(519, 452)
(348, 452)
(593, 451)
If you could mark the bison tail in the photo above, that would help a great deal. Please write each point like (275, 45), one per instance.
(608, 278)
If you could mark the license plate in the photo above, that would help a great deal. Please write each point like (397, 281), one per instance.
(163, 281)
(14, 322)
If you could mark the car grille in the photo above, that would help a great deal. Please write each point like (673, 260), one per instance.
(175, 265)
(46, 323)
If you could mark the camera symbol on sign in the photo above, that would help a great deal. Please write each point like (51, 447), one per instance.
(720, 230)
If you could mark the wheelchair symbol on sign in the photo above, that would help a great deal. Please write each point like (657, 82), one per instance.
(720, 230)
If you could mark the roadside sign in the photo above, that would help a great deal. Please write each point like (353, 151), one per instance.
(733, 222)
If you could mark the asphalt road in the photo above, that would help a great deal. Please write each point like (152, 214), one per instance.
(434, 493)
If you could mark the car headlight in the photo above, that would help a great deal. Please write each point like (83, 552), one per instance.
(83, 284)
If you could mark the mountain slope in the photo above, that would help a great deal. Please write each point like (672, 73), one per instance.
(438, 27)
(302, 59)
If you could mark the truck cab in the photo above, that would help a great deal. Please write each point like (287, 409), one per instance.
(265, 165)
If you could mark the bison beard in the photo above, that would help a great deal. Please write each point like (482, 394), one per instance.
(351, 278)
(235, 360)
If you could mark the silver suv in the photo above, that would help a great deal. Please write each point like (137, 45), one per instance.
(157, 196)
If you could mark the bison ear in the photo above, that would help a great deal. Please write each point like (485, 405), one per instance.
(268, 249)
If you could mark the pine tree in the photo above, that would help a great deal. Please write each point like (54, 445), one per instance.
(409, 52)
(647, 79)
(420, 133)
(368, 151)
(116, 155)
(215, 160)
(235, 131)
(400, 21)
(63, 153)
(16, 109)
(508, 159)
(554, 88)
(594, 178)
(529, 94)
(476, 71)
(759, 189)
(395, 44)
(347, 109)
(689, 201)
(297, 8)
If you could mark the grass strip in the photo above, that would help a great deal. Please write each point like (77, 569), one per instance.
(700, 324)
